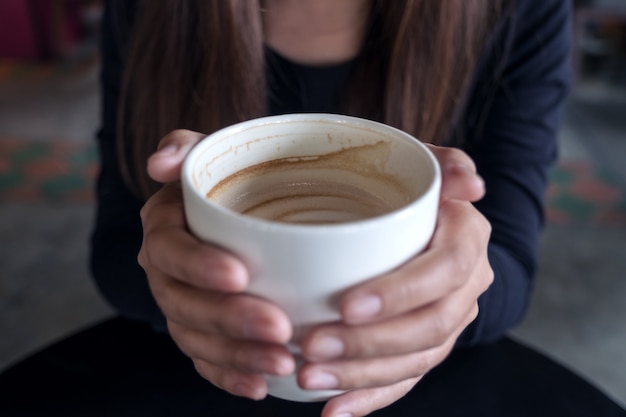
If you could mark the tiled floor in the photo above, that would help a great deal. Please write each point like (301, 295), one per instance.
(48, 117)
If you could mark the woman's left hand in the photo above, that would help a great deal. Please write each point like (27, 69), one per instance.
(399, 326)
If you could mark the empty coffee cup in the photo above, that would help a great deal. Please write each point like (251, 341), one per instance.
(313, 204)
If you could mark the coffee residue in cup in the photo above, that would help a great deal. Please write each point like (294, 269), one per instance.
(342, 186)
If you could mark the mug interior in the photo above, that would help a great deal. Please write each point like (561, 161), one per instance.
(389, 163)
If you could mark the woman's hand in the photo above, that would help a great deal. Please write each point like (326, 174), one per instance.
(233, 339)
(399, 326)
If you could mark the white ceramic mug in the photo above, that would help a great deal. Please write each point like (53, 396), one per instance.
(303, 268)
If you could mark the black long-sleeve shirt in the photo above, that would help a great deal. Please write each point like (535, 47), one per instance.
(509, 123)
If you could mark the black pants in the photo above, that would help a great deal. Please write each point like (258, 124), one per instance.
(121, 368)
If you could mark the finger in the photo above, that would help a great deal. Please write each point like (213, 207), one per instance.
(362, 402)
(236, 316)
(251, 386)
(420, 330)
(164, 165)
(239, 355)
(458, 174)
(459, 241)
(381, 371)
(359, 374)
(169, 247)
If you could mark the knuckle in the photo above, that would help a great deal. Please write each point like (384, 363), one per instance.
(441, 327)
(485, 228)
(161, 293)
(460, 265)
(180, 335)
(404, 295)
(144, 212)
(167, 295)
(142, 257)
(486, 225)
(163, 300)
(425, 361)
(211, 373)
(474, 312)
(489, 276)
(471, 315)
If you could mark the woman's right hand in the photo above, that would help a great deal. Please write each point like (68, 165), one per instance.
(232, 338)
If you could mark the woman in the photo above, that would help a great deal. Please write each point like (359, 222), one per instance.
(486, 77)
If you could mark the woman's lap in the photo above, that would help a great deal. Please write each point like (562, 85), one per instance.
(121, 368)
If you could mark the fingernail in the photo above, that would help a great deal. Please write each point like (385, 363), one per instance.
(456, 168)
(466, 171)
(326, 347)
(344, 415)
(317, 379)
(168, 150)
(363, 308)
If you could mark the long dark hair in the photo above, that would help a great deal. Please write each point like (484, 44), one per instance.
(199, 64)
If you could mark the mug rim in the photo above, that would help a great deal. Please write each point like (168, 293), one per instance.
(188, 165)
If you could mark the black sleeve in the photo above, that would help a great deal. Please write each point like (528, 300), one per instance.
(514, 145)
(117, 236)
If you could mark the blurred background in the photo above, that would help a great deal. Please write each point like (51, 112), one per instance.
(49, 110)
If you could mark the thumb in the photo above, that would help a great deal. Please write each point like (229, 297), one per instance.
(459, 179)
(164, 165)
